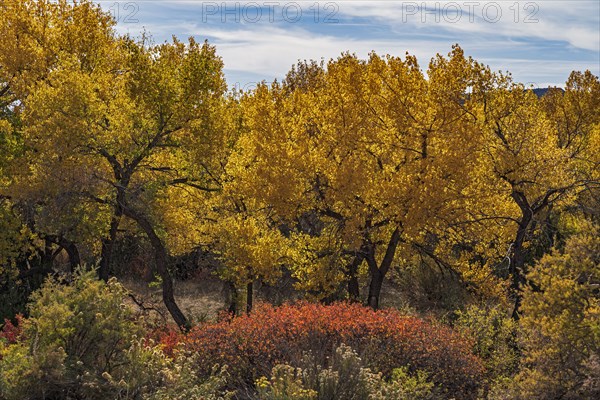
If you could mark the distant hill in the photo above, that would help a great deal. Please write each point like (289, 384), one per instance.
(539, 92)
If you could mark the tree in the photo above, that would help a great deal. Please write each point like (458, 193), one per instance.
(531, 158)
(561, 317)
(111, 124)
(250, 249)
(364, 149)
(36, 38)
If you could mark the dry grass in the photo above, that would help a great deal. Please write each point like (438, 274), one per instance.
(203, 297)
(199, 300)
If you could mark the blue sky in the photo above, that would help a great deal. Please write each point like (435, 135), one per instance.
(539, 42)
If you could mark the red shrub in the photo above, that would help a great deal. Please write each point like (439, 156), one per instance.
(168, 337)
(10, 332)
(252, 345)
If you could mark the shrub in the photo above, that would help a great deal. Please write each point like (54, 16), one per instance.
(345, 379)
(31, 375)
(82, 342)
(404, 386)
(494, 336)
(385, 340)
(11, 333)
(179, 381)
(75, 334)
(286, 383)
(561, 320)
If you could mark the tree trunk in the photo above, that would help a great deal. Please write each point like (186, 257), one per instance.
(74, 258)
(375, 289)
(71, 249)
(108, 245)
(352, 273)
(517, 259)
(249, 297)
(47, 257)
(161, 259)
(232, 298)
(378, 273)
(517, 266)
(122, 178)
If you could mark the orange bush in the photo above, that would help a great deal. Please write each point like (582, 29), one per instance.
(252, 345)
(167, 336)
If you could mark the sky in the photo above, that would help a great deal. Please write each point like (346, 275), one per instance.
(539, 42)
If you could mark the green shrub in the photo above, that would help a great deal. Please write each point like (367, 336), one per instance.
(494, 336)
(561, 320)
(180, 381)
(404, 386)
(26, 373)
(77, 334)
(286, 383)
(82, 341)
(345, 379)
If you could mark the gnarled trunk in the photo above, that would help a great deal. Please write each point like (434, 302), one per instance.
(352, 274)
(73, 252)
(517, 259)
(375, 288)
(378, 272)
(249, 297)
(108, 244)
(161, 260)
(71, 249)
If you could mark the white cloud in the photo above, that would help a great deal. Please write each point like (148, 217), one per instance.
(574, 22)
(565, 38)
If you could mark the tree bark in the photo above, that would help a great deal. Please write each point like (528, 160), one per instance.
(71, 249)
(108, 245)
(161, 259)
(352, 273)
(375, 289)
(232, 298)
(249, 297)
(378, 273)
(517, 259)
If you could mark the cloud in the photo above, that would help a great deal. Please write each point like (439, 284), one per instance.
(564, 38)
(272, 51)
(574, 22)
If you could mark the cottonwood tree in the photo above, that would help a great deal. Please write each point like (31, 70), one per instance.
(35, 37)
(116, 128)
(537, 155)
(375, 151)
